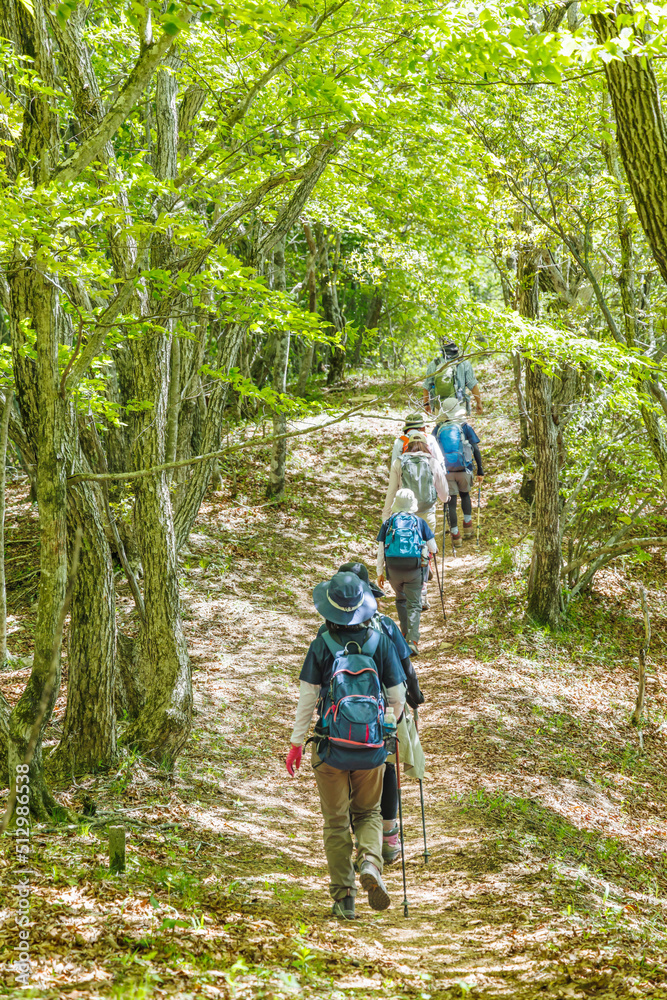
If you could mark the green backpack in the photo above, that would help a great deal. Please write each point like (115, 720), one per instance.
(444, 382)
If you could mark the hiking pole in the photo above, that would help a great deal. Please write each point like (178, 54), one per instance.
(421, 796)
(442, 600)
(445, 521)
(400, 824)
(479, 500)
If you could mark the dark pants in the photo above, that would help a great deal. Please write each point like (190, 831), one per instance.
(389, 800)
(466, 507)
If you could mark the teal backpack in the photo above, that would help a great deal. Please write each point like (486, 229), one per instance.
(403, 540)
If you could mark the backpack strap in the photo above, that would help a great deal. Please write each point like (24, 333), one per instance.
(372, 642)
(333, 646)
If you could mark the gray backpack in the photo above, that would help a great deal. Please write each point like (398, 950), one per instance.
(416, 475)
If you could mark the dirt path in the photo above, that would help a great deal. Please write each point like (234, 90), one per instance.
(545, 824)
(515, 900)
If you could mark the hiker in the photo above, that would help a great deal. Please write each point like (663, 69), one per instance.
(348, 746)
(414, 422)
(459, 443)
(414, 698)
(404, 542)
(456, 381)
(419, 471)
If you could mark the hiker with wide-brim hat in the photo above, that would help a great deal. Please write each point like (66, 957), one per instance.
(417, 470)
(414, 698)
(459, 443)
(415, 421)
(350, 672)
(404, 543)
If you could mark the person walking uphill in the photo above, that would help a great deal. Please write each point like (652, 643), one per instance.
(404, 542)
(459, 444)
(414, 698)
(417, 470)
(350, 671)
(414, 422)
(456, 380)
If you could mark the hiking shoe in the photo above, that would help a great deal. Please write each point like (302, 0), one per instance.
(425, 605)
(390, 846)
(468, 530)
(456, 539)
(413, 647)
(344, 908)
(371, 880)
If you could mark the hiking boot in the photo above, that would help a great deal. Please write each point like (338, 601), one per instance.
(371, 880)
(344, 908)
(425, 605)
(390, 846)
(468, 530)
(456, 539)
(413, 647)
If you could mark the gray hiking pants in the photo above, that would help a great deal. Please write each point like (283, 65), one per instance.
(407, 584)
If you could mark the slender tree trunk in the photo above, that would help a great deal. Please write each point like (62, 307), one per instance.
(276, 486)
(4, 430)
(307, 360)
(330, 306)
(544, 600)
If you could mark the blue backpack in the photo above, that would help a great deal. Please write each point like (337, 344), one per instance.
(352, 707)
(403, 540)
(455, 448)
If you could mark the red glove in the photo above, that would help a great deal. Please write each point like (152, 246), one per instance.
(293, 760)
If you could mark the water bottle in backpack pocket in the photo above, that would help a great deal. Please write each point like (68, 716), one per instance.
(352, 707)
(455, 447)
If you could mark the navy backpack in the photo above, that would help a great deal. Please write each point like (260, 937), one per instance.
(352, 707)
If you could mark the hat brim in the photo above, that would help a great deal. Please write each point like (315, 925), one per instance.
(361, 614)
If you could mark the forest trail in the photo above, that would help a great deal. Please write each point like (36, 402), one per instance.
(545, 825)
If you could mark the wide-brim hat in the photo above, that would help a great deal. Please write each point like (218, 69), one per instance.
(451, 409)
(360, 570)
(414, 420)
(344, 599)
(405, 502)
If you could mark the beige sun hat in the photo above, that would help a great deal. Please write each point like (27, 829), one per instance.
(405, 502)
(451, 409)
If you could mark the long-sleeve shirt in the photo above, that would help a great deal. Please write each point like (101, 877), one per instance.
(395, 478)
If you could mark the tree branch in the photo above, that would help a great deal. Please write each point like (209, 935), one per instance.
(145, 66)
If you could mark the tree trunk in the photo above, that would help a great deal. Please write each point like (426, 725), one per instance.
(4, 430)
(641, 132)
(88, 741)
(33, 296)
(544, 600)
(162, 664)
(330, 306)
(307, 360)
(276, 486)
